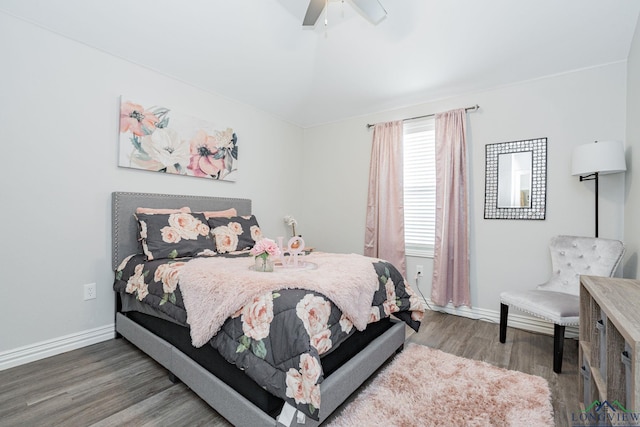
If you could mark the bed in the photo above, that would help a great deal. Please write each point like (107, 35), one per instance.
(234, 388)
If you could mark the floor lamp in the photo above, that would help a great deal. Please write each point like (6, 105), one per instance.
(589, 161)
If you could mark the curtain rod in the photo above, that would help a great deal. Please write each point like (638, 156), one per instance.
(474, 108)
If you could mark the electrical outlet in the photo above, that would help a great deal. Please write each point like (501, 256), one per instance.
(89, 291)
(419, 270)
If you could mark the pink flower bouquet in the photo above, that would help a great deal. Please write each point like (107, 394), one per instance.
(265, 248)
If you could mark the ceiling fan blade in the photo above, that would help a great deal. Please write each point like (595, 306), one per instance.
(313, 12)
(370, 9)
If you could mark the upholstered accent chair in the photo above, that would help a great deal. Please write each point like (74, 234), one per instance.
(558, 300)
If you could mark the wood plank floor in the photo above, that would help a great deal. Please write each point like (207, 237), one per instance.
(114, 384)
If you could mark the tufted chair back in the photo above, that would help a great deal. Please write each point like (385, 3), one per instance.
(572, 256)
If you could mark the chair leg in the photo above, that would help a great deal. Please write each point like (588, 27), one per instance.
(504, 313)
(558, 344)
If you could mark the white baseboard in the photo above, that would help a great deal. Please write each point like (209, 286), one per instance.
(516, 320)
(43, 349)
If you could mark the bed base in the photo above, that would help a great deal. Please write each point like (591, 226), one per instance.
(236, 408)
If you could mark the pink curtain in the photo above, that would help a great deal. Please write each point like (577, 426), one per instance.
(384, 234)
(451, 247)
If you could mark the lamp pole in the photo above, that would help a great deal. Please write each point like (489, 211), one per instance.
(593, 176)
(588, 161)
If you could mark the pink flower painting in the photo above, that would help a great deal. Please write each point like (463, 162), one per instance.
(135, 119)
(156, 138)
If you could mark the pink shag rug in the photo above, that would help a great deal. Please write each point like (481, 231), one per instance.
(427, 387)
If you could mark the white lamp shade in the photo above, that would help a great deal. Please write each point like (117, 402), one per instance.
(603, 157)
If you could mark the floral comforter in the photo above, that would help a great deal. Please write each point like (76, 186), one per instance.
(280, 336)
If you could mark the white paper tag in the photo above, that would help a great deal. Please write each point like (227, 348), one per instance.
(286, 416)
(301, 418)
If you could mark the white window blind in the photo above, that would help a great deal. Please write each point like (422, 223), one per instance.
(419, 186)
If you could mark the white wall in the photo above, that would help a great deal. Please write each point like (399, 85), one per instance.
(570, 109)
(59, 109)
(632, 206)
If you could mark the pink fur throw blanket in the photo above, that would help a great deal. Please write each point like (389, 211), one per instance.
(215, 288)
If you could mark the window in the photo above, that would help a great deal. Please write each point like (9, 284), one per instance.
(419, 186)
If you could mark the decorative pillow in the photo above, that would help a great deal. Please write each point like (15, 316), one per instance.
(152, 211)
(175, 235)
(218, 214)
(236, 233)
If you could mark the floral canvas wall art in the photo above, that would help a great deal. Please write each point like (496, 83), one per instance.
(156, 138)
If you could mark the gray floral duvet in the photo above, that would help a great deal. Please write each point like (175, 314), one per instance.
(279, 337)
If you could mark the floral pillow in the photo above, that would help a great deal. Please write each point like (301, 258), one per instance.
(236, 233)
(225, 213)
(185, 209)
(175, 235)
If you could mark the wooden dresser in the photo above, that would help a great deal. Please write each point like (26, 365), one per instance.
(609, 350)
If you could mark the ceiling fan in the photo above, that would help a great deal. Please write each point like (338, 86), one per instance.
(370, 9)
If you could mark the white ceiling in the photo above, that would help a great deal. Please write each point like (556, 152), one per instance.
(256, 51)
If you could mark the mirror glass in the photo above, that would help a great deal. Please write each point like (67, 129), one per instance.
(514, 179)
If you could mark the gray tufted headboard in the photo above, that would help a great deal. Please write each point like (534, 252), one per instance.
(125, 228)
